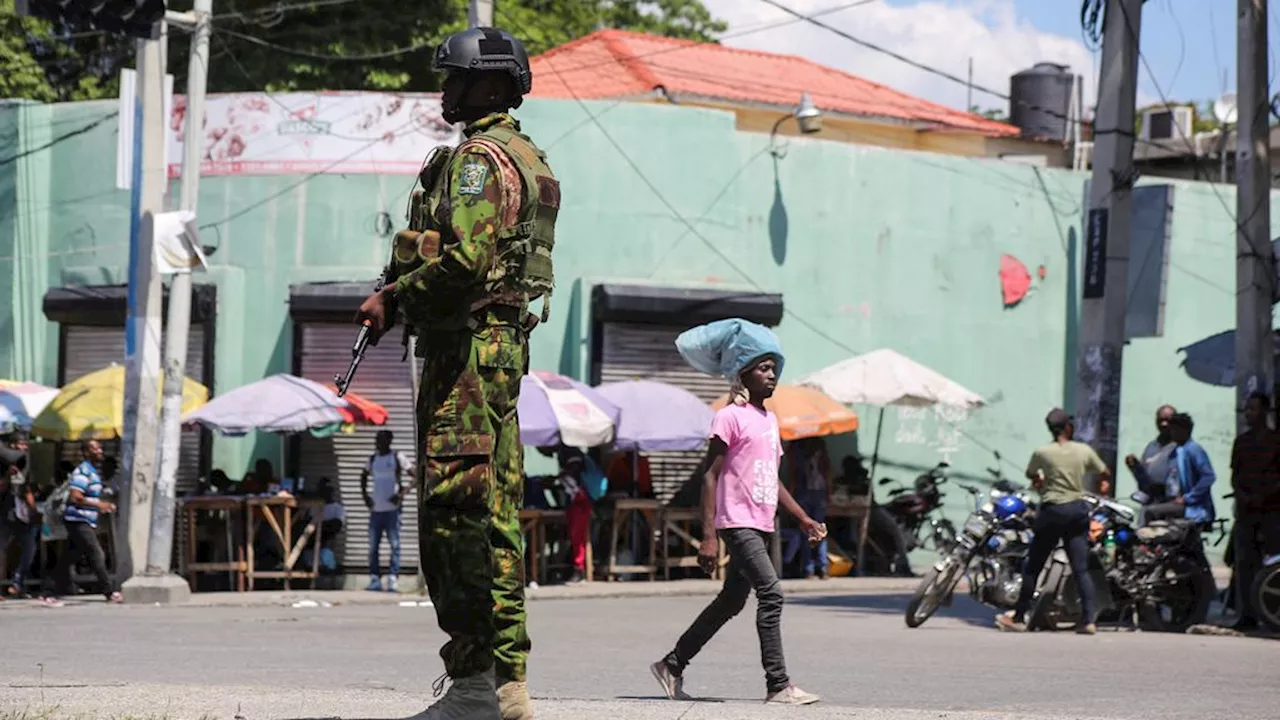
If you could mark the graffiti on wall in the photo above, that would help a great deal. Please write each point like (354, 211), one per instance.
(937, 428)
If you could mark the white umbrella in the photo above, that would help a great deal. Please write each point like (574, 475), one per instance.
(280, 404)
(884, 377)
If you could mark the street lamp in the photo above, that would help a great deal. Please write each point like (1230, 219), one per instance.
(807, 116)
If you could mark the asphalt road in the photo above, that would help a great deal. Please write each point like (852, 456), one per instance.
(590, 661)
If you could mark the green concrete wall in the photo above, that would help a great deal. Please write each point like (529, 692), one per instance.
(871, 248)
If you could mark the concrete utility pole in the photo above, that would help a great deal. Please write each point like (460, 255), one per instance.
(1255, 276)
(142, 340)
(480, 13)
(158, 584)
(1106, 254)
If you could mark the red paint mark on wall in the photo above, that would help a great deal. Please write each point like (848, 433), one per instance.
(1015, 281)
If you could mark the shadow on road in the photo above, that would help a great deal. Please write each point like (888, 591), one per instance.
(963, 607)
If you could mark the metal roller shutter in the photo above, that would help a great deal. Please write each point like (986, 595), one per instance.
(641, 351)
(87, 348)
(384, 379)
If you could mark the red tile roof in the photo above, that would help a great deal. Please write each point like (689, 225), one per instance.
(617, 63)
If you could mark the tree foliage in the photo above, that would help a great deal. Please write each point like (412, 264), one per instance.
(380, 45)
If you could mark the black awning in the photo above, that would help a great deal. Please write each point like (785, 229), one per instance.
(108, 305)
(656, 304)
(331, 301)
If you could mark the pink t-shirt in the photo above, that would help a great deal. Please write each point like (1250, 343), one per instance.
(747, 492)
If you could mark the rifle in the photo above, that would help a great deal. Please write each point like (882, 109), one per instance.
(420, 239)
(366, 337)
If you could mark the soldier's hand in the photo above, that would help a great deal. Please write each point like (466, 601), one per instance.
(374, 310)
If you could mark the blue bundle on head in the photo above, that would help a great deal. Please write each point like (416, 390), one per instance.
(727, 347)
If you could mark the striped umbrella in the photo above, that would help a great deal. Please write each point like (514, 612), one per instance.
(21, 402)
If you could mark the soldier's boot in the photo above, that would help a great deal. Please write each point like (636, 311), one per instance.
(469, 698)
(513, 700)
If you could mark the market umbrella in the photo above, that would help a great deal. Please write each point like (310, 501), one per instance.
(884, 377)
(360, 410)
(278, 404)
(657, 417)
(555, 409)
(804, 412)
(92, 407)
(21, 403)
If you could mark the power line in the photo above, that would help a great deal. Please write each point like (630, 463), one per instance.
(329, 56)
(61, 138)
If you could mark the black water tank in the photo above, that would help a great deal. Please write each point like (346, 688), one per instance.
(1039, 100)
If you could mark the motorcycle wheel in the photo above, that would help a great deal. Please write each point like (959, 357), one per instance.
(934, 587)
(1185, 603)
(1266, 596)
(1048, 612)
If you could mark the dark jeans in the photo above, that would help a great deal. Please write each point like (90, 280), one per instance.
(749, 567)
(28, 537)
(384, 523)
(81, 540)
(1068, 522)
(1255, 535)
(814, 502)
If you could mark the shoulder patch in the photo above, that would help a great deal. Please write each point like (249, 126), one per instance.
(472, 176)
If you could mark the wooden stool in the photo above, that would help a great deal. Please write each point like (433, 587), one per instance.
(678, 521)
(624, 510)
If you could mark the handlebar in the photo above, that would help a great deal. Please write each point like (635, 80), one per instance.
(969, 489)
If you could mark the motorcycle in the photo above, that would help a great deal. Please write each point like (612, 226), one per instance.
(989, 552)
(1157, 574)
(917, 511)
(1266, 592)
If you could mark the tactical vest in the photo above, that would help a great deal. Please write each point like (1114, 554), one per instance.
(522, 271)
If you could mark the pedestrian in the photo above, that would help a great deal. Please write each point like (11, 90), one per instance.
(1152, 468)
(1057, 471)
(19, 516)
(740, 495)
(1255, 481)
(84, 508)
(385, 507)
(1189, 483)
(494, 208)
(811, 478)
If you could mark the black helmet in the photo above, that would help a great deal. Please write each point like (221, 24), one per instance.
(486, 49)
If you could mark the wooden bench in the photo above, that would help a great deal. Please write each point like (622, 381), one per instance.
(625, 511)
(679, 521)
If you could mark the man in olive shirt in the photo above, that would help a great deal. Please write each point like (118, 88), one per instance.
(1057, 472)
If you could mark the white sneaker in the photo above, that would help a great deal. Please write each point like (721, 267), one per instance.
(393, 584)
(375, 584)
(469, 698)
(792, 695)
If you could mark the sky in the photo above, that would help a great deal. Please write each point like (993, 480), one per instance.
(1187, 44)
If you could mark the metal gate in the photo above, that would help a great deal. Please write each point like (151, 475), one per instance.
(86, 348)
(642, 351)
(384, 379)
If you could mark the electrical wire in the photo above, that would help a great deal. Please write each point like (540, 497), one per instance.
(60, 139)
(396, 52)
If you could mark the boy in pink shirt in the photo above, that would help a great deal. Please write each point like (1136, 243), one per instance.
(740, 495)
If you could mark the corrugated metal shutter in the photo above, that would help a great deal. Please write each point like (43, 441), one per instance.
(638, 351)
(384, 379)
(88, 348)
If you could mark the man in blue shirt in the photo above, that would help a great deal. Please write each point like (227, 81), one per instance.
(1190, 479)
(84, 508)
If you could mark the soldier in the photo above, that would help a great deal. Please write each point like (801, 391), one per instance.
(495, 207)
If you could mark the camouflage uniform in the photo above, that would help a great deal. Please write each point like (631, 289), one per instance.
(468, 302)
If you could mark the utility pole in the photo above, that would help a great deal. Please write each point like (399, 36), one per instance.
(157, 583)
(480, 14)
(1106, 255)
(142, 340)
(1255, 275)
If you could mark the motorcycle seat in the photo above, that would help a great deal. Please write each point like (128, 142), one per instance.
(1163, 532)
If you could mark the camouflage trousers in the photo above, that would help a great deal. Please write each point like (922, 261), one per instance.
(471, 490)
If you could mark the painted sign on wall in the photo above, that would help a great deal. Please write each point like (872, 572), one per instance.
(313, 132)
